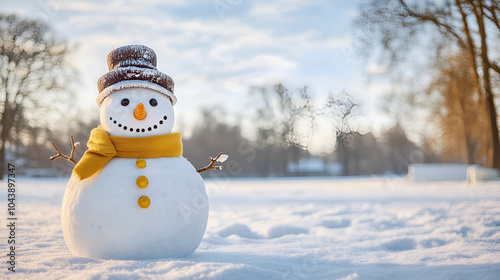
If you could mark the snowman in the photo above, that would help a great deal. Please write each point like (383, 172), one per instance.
(132, 195)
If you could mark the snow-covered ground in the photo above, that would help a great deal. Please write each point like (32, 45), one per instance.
(354, 228)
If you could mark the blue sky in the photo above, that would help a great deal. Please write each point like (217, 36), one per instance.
(216, 50)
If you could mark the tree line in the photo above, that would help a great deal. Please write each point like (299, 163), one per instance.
(276, 141)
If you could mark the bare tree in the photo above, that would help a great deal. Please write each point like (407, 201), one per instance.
(471, 25)
(281, 111)
(279, 115)
(32, 74)
(339, 110)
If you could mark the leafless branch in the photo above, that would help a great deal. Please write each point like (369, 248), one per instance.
(495, 67)
(493, 16)
(434, 19)
(211, 165)
(60, 155)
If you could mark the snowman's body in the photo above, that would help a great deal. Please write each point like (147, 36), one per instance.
(101, 218)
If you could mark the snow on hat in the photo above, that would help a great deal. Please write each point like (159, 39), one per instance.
(134, 66)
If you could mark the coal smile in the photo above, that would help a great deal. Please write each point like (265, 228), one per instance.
(131, 129)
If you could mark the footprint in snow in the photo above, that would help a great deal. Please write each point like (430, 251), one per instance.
(239, 230)
(336, 223)
(402, 244)
(282, 230)
(431, 243)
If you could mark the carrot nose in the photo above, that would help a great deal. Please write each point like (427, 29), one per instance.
(140, 112)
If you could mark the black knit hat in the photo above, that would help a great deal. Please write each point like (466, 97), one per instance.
(134, 66)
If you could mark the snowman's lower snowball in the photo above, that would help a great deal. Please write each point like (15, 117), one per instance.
(101, 217)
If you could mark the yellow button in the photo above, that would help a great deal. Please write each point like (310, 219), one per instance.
(142, 182)
(144, 201)
(141, 163)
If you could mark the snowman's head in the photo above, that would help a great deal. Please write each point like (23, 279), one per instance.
(137, 112)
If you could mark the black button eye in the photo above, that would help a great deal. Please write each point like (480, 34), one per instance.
(125, 101)
(153, 102)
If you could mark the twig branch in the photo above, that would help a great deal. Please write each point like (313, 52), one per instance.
(60, 155)
(433, 18)
(220, 157)
(495, 67)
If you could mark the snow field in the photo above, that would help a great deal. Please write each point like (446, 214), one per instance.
(350, 228)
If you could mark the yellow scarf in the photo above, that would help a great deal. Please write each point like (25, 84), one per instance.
(102, 148)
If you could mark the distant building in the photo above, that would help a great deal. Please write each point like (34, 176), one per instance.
(314, 166)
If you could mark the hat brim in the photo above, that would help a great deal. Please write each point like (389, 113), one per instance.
(134, 84)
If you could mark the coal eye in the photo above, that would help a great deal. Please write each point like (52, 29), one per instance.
(153, 102)
(125, 101)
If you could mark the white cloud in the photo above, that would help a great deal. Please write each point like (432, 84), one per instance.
(277, 9)
(115, 6)
(82, 6)
(377, 69)
(261, 62)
